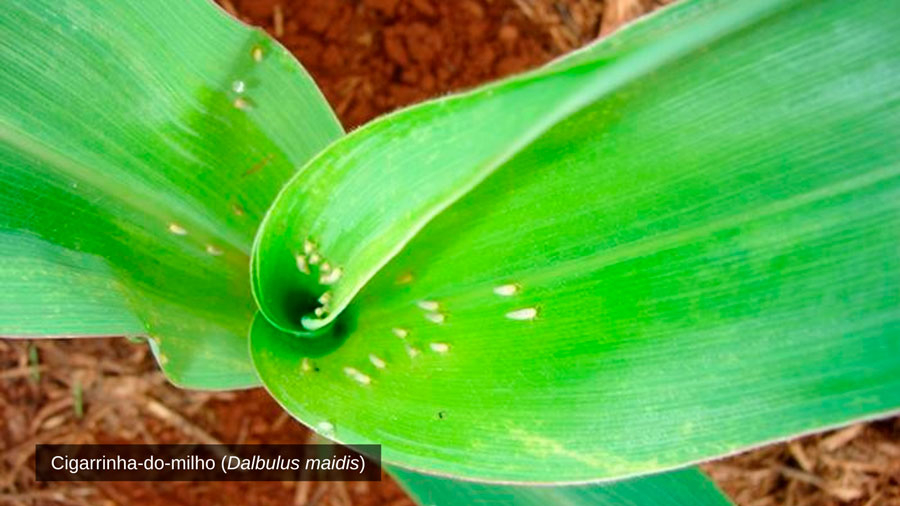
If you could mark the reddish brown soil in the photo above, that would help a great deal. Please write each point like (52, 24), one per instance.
(126, 400)
(369, 56)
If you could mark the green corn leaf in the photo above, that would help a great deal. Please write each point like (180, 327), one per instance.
(336, 213)
(678, 243)
(140, 144)
(688, 487)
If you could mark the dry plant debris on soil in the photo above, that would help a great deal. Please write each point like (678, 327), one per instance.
(369, 56)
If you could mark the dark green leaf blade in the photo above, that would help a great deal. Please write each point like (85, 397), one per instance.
(688, 487)
(140, 144)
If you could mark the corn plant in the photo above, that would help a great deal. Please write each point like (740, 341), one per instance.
(676, 243)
